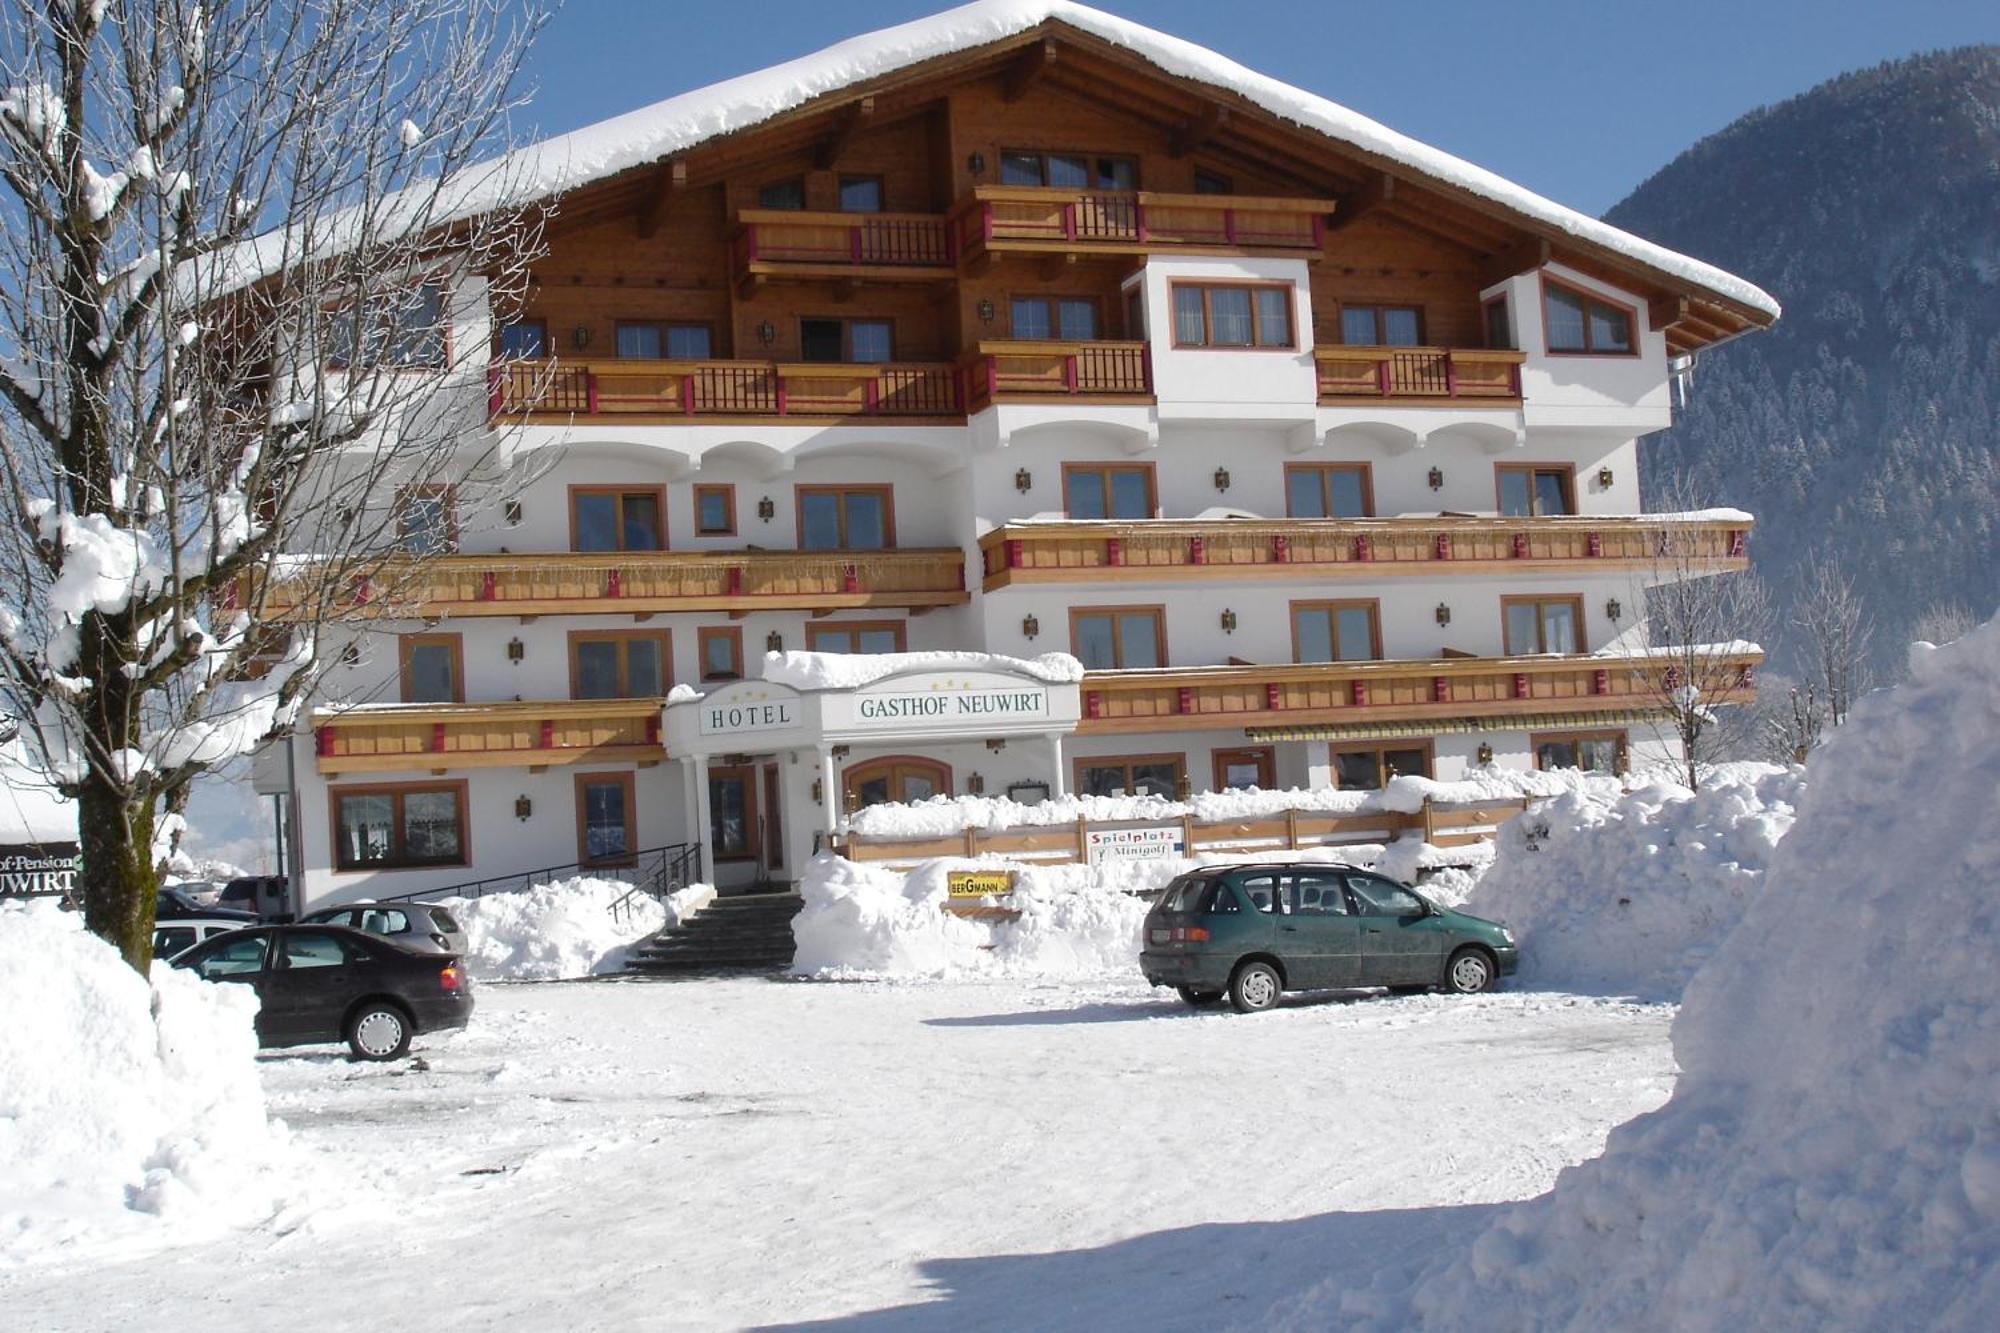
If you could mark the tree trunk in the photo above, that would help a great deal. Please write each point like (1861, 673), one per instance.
(119, 880)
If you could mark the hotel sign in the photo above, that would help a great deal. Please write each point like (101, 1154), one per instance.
(745, 716)
(949, 705)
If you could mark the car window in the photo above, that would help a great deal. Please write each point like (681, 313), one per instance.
(1185, 894)
(233, 958)
(444, 920)
(384, 921)
(167, 943)
(1261, 890)
(1317, 892)
(1378, 897)
(312, 949)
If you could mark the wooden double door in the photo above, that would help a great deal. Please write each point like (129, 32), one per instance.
(745, 817)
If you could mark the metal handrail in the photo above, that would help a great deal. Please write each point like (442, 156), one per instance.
(673, 874)
(647, 868)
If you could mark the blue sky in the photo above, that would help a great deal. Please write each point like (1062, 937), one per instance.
(1580, 101)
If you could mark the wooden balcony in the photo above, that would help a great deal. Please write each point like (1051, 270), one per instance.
(1035, 370)
(444, 736)
(998, 219)
(880, 247)
(1419, 375)
(674, 391)
(653, 582)
(1324, 693)
(1163, 550)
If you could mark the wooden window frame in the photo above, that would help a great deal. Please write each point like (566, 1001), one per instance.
(798, 179)
(1266, 756)
(1332, 606)
(594, 488)
(443, 360)
(1379, 309)
(847, 323)
(663, 637)
(815, 629)
(428, 490)
(1050, 300)
(455, 642)
(1158, 613)
(1575, 601)
(849, 775)
(500, 336)
(627, 780)
(1619, 736)
(1378, 749)
(883, 489)
(1568, 471)
(881, 191)
(398, 790)
(733, 635)
(1128, 762)
(1152, 487)
(727, 490)
(665, 327)
(1630, 312)
(1206, 288)
(1367, 471)
(1138, 181)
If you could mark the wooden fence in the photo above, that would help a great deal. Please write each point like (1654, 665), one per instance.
(1455, 824)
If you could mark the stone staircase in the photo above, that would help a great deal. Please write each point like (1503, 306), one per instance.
(748, 932)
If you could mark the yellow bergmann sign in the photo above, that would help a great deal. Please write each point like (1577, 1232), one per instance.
(978, 883)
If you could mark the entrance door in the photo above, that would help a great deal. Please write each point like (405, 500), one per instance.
(732, 813)
(896, 778)
(1238, 769)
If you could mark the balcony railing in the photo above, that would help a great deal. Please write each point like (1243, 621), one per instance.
(1419, 374)
(435, 736)
(1014, 217)
(771, 241)
(1318, 548)
(667, 390)
(1034, 369)
(1293, 695)
(651, 582)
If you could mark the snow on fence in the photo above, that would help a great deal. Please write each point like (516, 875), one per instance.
(1085, 840)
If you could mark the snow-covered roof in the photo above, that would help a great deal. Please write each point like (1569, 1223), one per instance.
(679, 123)
(848, 671)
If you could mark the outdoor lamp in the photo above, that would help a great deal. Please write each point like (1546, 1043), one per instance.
(1604, 478)
(523, 807)
(1485, 753)
(1437, 478)
(1023, 480)
(1030, 626)
(516, 650)
(1222, 479)
(774, 642)
(767, 509)
(1613, 609)
(1228, 621)
(511, 511)
(767, 333)
(975, 785)
(985, 310)
(1443, 614)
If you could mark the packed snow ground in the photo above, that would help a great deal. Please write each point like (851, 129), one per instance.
(988, 1155)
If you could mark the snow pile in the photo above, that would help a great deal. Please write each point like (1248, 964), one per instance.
(1629, 894)
(122, 1106)
(562, 929)
(1831, 1155)
(848, 671)
(866, 920)
(944, 815)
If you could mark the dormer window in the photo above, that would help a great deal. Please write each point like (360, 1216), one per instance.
(1583, 324)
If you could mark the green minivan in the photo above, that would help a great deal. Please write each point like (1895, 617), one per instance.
(1252, 932)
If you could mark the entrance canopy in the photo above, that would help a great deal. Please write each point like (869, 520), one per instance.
(822, 701)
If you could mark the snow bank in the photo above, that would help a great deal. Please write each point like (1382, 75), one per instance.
(127, 1111)
(1630, 893)
(945, 815)
(847, 671)
(1831, 1155)
(562, 929)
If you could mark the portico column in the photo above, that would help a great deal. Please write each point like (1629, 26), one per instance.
(829, 785)
(1058, 785)
(701, 819)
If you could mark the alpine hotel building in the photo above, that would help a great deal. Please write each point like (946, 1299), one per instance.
(1018, 330)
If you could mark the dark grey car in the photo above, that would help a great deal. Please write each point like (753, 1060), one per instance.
(425, 927)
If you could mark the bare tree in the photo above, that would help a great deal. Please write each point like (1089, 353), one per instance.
(1699, 623)
(1834, 631)
(235, 236)
(1947, 622)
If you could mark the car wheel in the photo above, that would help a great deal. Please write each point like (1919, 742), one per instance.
(1469, 972)
(1197, 998)
(378, 1031)
(1255, 987)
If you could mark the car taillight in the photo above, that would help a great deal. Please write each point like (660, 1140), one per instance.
(451, 978)
(1192, 934)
